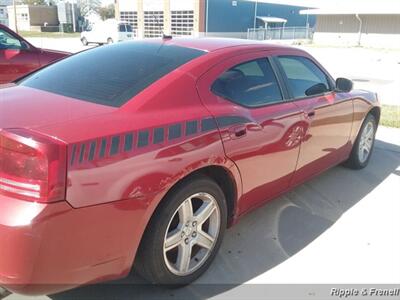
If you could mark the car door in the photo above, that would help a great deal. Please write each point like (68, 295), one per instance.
(16, 57)
(259, 129)
(328, 113)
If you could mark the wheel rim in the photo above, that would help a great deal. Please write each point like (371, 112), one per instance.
(191, 234)
(366, 141)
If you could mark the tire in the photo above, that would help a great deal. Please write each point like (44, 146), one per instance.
(357, 160)
(157, 264)
(84, 41)
(110, 41)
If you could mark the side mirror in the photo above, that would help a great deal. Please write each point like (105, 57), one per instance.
(25, 46)
(316, 89)
(344, 85)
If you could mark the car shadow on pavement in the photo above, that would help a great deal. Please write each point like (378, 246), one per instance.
(268, 236)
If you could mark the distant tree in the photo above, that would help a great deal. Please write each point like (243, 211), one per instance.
(87, 7)
(34, 2)
(107, 12)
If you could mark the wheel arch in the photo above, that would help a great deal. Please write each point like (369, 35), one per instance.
(225, 179)
(376, 113)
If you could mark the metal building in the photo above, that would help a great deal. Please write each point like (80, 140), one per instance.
(227, 18)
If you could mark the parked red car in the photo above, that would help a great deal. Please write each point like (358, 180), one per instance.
(18, 57)
(153, 148)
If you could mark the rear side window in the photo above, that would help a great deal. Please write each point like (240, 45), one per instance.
(305, 78)
(111, 75)
(122, 28)
(250, 84)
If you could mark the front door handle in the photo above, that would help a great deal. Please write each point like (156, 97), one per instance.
(237, 131)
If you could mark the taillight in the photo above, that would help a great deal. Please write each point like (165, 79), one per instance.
(32, 166)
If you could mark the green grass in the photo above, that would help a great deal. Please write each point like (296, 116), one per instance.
(390, 116)
(29, 34)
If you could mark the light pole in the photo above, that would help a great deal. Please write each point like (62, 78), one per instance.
(255, 15)
(15, 15)
(206, 17)
(73, 17)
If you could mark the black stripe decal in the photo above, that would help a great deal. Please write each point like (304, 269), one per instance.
(128, 142)
(73, 154)
(174, 131)
(158, 135)
(231, 120)
(82, 153)
(103, 148)
(191, 127)
(114, 145)
(143, 138)
(208, 124)
(92, 150)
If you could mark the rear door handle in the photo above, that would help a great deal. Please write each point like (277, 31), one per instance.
(311, 114)
(237, 131)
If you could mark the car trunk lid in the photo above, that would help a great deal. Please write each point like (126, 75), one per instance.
(24, 107)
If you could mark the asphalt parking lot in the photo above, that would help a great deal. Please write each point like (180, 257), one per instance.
(343, 227)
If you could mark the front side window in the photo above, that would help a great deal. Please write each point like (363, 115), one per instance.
(250, 84)
(7, 41)
(125, 70)
(305, 78)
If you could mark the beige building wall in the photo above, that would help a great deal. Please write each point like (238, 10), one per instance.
(38, 15)
(30, 17)
(376, 31)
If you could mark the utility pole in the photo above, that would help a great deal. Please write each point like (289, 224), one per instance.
(255, 15)
(15, 15)
(206, 18)
(73, 17)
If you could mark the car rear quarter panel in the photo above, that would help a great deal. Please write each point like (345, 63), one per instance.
(141, 150)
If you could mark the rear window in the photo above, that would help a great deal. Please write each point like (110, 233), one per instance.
(110, 75)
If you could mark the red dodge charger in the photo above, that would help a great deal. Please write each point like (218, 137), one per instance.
(142, 153)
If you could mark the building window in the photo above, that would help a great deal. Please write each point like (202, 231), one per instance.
(22, 16)
(182, 22)
(129, 17)
(153, 23)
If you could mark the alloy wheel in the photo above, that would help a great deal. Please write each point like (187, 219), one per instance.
(191, 234)
(366, 142)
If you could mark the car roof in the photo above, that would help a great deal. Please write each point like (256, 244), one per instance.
(214, 44)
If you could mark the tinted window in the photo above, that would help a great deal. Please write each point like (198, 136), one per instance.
(113, 74)
(305, 78)
(250, 84)
(122, 28)
(7, 41)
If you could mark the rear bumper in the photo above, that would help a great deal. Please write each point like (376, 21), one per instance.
(46, 248)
